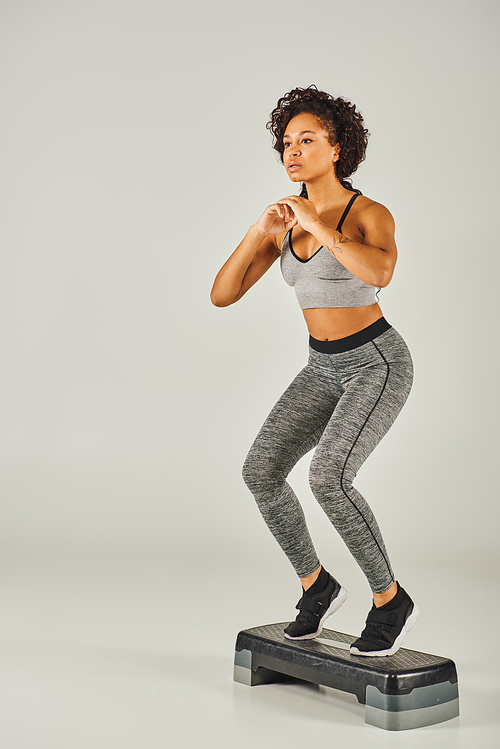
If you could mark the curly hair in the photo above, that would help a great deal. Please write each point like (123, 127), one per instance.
(343, 123)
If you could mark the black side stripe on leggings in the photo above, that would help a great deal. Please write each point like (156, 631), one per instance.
(352, 448)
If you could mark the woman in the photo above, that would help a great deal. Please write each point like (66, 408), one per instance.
(337, 250)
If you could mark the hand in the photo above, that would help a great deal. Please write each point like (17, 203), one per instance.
(276, 218)
(303, 210)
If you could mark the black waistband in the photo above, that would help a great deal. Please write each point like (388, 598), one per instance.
(351, 341)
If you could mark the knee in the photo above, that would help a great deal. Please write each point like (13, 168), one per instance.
(251, 473)
(327, 480)
(262, 472)
(329, 494)
(255, 473)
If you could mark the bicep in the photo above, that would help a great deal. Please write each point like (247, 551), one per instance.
(378, 229)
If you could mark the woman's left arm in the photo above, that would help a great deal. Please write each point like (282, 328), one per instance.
(372, 260)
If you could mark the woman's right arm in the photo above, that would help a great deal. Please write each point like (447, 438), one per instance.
(252, 258)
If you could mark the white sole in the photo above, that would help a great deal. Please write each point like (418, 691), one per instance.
(397, 642)
(334, 606)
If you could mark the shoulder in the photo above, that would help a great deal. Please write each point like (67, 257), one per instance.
(370, 214)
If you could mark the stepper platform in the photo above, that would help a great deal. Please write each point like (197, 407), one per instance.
(401, 691)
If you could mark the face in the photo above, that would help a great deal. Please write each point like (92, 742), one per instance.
(308, 153)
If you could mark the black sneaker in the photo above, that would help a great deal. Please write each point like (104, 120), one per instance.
(386, 628)
(314, 609)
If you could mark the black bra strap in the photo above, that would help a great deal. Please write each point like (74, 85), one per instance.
(347, 209)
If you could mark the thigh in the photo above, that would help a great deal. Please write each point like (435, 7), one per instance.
(297, 421)
(372, 400)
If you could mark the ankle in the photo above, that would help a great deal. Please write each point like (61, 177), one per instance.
(380, 599)
(308, 582)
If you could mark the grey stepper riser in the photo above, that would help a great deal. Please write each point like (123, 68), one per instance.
(401, 691)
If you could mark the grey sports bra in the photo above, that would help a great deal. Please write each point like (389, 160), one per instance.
(321, 281)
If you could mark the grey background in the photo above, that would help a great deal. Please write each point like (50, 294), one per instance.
(134, 157)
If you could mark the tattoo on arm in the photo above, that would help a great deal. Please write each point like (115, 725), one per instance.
(336, 244)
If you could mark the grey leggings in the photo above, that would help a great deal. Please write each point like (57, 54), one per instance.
(342, 403)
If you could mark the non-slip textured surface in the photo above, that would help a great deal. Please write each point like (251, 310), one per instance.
(403, 660)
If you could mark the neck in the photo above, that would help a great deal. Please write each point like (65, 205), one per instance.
(326, 192)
